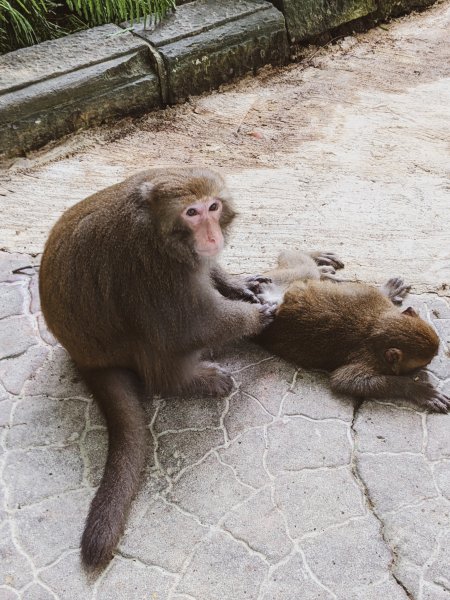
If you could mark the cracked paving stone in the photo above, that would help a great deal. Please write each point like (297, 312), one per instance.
(208, 490)
(244, 413)
(131, 580)
(439, 571)
(412, 531)
(439, 308)
(161, 535)
(8, 594)
(394, 480)
(443, 328)
(40, 529)
(240, 355)
(432, 592)
(390, 590)
(12, 299)
(223, 569)
(381, 427)
(9, 262)
(299, 443)
(348, 556)
(16, 336)
(44, 331)
(245, 454)
(311, 396)
(67, 579)
(96, 448)
(438, 436)
(35, 304)
(442, 476)
(268, 382)
(15, 570)
(261, 526)
(314, 500)
(440, 365)
(14, 372)
(292, 581)
(57, 377)
(57, 470)
(185, 413)
(40, 421)
(37, 592)
(6, 405)
(179, 450)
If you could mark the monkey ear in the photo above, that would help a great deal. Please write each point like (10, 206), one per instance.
(410, 312)
(393, 356)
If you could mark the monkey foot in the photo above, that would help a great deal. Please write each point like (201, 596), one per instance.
(327, 259)
(211, 380)
(395, 289)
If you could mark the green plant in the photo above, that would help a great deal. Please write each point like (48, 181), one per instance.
(27, 22)
(97, 12)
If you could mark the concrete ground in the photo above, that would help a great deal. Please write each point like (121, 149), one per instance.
(283, 491)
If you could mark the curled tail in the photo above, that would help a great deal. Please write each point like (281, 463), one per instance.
(117, 391)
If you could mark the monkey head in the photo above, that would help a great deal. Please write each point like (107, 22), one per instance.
(191, 210)
(410, 343)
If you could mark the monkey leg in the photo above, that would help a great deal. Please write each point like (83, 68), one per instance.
(395, 289)
(354, 379)
(209, 379)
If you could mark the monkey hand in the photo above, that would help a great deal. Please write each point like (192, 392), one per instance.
(266, 314)
(327, 259)
(429, 397)
(254, 282)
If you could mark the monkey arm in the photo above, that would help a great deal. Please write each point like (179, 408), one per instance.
(236, 288)
(357, 379)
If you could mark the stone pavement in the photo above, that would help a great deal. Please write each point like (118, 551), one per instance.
(282, 491)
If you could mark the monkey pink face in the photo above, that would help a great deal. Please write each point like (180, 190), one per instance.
(203, 219)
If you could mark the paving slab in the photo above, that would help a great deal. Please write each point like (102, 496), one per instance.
(283, 490)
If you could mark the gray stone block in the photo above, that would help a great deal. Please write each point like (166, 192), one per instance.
(307, 18)
(61, 85)
(208, 42)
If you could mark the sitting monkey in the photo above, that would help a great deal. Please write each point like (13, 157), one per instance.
(350, 329)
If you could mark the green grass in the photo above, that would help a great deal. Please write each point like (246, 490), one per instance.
(27, 22)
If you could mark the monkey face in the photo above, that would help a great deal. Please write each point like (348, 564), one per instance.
(202, 218)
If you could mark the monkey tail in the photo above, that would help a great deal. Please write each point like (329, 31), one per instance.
(117, 391)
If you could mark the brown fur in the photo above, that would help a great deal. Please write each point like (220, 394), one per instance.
(123, 289)
(347, 328)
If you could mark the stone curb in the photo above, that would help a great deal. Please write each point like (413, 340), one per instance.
(87, 78)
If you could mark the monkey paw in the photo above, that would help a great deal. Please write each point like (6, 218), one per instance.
(327, 259)
(211, 380)
(395, 289)
(254, 283)
(266, 314)
(433, 399)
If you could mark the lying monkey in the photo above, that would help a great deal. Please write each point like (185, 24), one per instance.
(350, 329)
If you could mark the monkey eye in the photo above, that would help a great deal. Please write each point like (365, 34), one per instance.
(191, 212)
(214, 206)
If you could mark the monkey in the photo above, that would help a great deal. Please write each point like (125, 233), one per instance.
(131, 287)
(352, 330)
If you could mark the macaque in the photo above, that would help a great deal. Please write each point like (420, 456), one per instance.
(350, 329)
(130, 286)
